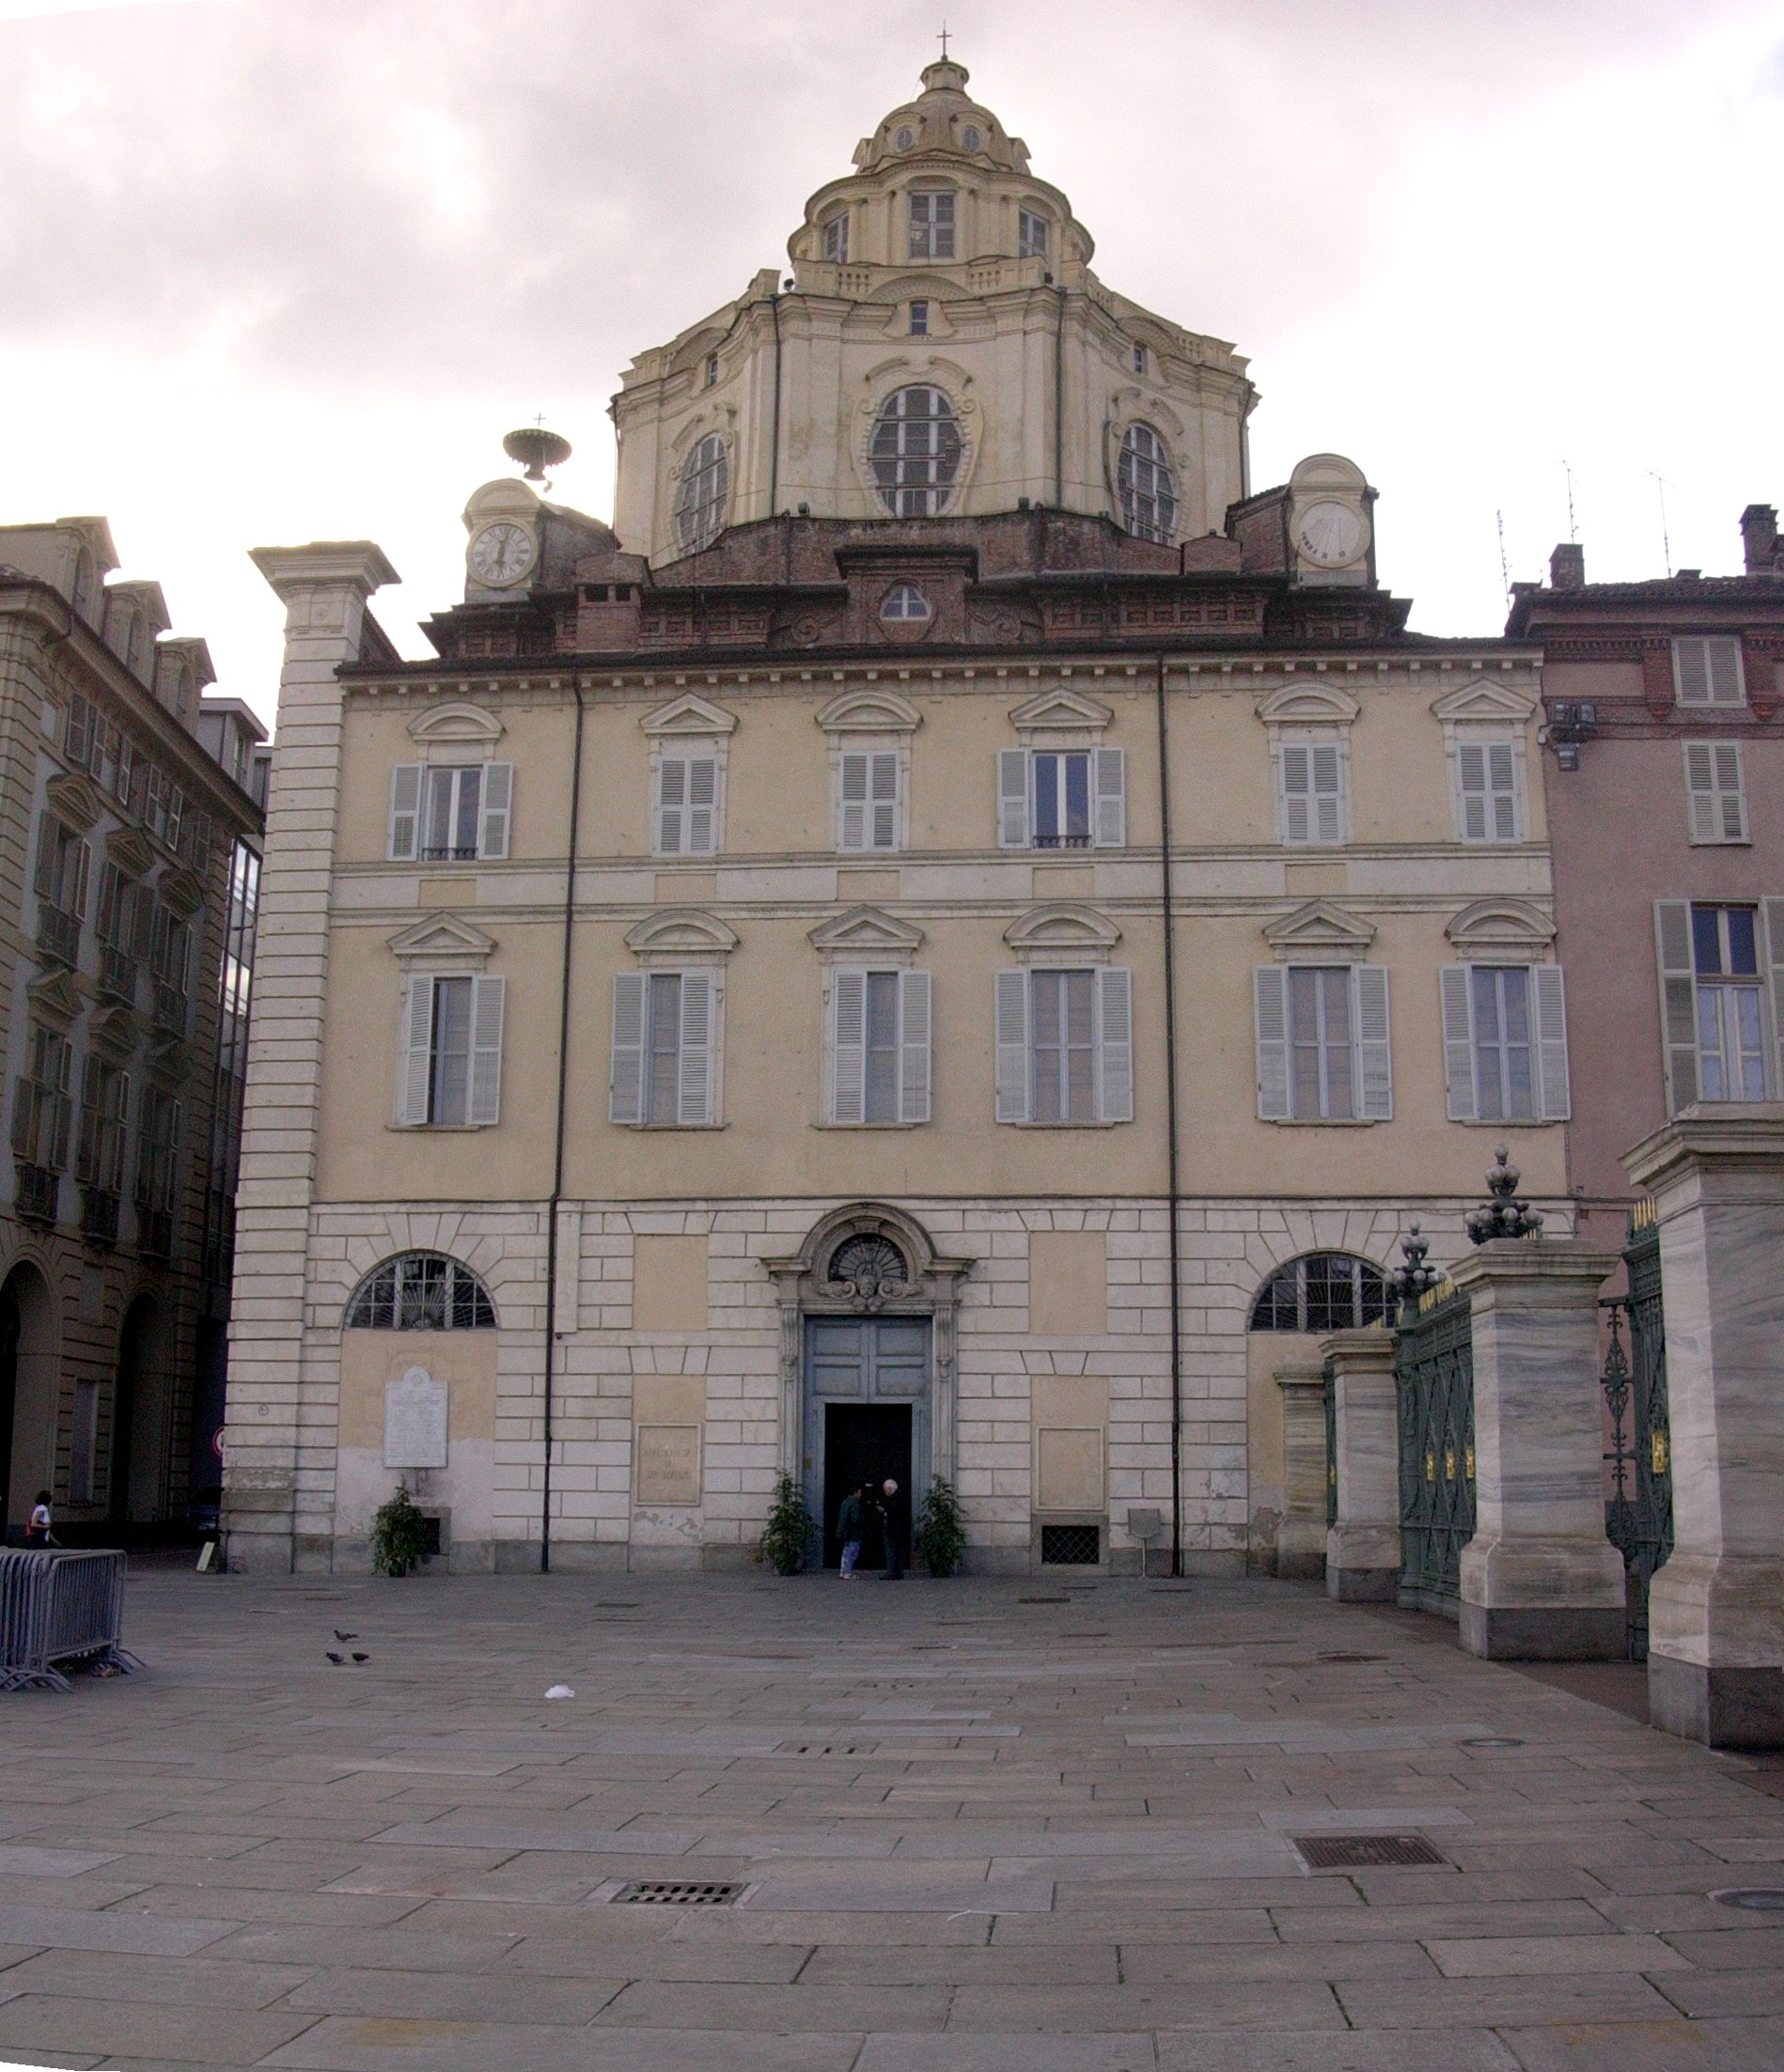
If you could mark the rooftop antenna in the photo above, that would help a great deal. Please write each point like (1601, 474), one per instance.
(1504, 566)
(1572, 526)
(1666, 543)
(536, 447)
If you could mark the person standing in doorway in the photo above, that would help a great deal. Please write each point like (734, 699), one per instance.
(849, 1528)
(892, 1511)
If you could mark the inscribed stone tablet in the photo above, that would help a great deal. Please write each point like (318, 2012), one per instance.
(668, 1464)
(415, 1421)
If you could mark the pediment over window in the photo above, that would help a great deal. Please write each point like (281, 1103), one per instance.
(691, 714)
(680, 933)
(54, 1000)
(1307, 705)
(1060, 712)
(1484, 699)
(443, 940)
(130, 850)
(115, 1032)
(866, 931)
(1319, 928)
(462, 725)
(178, 891)
(870, 712)
(73, 800)
(1061, 932)
(169, 1059)
(1504, 928)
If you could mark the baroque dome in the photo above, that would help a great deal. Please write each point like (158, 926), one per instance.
(942, 118)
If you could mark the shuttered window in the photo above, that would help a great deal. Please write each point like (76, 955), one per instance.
(665, 1049)
(1707, 671)
(1716, 799)
(867, 799)
(1065, 1046)
(1721, 989)
(1487, 774)
(688, 805)
(1323, 1045)
(1312, 802)
(450, 813)
(1505, 1043)
(878, 1047)
(1062, 798)
(451, 1068)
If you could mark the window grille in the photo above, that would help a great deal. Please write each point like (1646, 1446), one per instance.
(421, 1291)
(870, 1258)
(1325, 1291)
(706, 485)
(1071, 1546)
(915, 452)
(1148, 490)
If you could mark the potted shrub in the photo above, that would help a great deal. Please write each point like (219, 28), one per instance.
(788, 1530)
(398, 1534)
(941, 1532)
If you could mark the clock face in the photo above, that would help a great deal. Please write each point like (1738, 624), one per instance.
(1330, 535)
(502, 553)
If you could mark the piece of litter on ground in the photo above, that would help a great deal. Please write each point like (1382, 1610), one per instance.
(560, 1690)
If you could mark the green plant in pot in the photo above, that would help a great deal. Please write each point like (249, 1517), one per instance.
(941, 1531)
(398, 1534)
(789, 1530)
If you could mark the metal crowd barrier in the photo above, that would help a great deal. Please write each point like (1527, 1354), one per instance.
(60, 1605)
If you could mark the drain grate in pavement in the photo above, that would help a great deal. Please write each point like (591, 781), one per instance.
(664, 1892)
(1491, 1740)
(1752, 1899)
(1363, 1852)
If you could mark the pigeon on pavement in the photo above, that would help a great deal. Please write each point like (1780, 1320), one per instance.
(339, 1661)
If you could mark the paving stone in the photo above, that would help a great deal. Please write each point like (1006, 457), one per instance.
(1321, 2051)
(361, 2044)
(142, 1934)
(435, 1996)
(1669, 2046)
(116, 2027)
(195, 1981)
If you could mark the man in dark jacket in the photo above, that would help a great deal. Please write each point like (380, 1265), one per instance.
(850, 1523)
(896, 1517)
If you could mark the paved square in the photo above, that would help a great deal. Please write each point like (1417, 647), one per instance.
(978, 1825)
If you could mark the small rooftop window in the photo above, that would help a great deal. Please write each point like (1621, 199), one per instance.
(905, 604)
(836, 238)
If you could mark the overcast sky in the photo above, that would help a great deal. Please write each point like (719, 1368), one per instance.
(281, 269)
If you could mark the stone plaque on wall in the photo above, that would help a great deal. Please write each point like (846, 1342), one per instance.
(1070, 1471)
(415, 1421)
(668, 1464)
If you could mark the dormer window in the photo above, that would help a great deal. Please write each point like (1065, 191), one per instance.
(906, 605)
(932, 223)
(836, 238)
(1140, 359)
(1033, 233)
(970, 138)
(919, 320)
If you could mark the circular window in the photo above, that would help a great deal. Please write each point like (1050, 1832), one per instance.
(699, 504)
(906, 605)
(1149, 496)
(915, 452)
(970, 138)
(904, 139)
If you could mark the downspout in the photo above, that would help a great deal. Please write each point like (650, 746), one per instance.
(1172, 1174)
(774, 450)
(563, 1104)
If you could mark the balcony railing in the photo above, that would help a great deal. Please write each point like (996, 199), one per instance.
(39, 1196)
(155, 1232)
(118, 974)
(98, 1215)
(170, 1007)
(450, 855)
(58, 933)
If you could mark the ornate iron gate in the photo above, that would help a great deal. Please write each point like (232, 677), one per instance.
(1638, 1509)
(1434, 1377)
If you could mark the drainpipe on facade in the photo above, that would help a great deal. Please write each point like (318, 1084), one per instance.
(1170, 1130)
(558, 1156)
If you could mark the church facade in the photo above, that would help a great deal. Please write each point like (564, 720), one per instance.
(953, 940)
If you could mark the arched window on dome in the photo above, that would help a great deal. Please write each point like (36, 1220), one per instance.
(1323, 1291)
(1149, 496)
(420, 1291)
(915, 451)
(835, 238)
(699, 505)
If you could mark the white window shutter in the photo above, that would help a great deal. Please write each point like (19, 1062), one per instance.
(1691, 662)
(1502, 772)
(672, 791)
(1270, 1001)
(1115, 1045)
(914, 1047)
(1458, 1043)
(1773, 911)
(884, 828)
(1471, 758)
(1374, 1055)
(1297, 788)
(486, 1049)
(1731, 795)
(406, 812)
(1328, 797)
(1012, 1046)
(852, 829)
(702, 826)
(1678, 1001)
(1700, 792)
(414, 1070)
(1551, 1036)
(1109, 767)
(1722, 666)
(848, 1045)
(498, 797)
(625, 1084)
(1012, 798)
(695, 1096)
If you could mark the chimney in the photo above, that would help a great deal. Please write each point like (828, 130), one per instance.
(1567, 567)
(1759, 538)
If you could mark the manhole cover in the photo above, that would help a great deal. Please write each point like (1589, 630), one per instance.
(1491, 1740)
(1362, 1852)
(1752, 1899)
(661, 1891)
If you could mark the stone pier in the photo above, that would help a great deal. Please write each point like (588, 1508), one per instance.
(1362, 1546)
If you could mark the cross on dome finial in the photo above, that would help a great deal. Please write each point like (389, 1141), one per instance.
(943, 38)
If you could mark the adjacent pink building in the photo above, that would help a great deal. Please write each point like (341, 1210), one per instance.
(1665, 782)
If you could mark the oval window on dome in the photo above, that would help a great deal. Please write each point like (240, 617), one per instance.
(970, 138)
(915, 452)
(699, 504)
(1148, 494)
(904, 139)
(906, 605)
